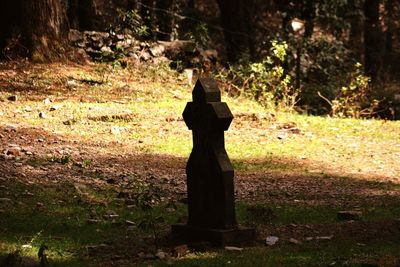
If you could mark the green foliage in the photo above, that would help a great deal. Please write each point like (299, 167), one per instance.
(131, 21)
(147, 197)
(354, 100)
(333, 14)
(200, 34)
(266, 81)
(324, 64)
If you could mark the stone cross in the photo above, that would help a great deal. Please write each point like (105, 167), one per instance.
(210, 186)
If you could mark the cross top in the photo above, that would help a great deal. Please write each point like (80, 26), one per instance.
(207, 112)
(206, 90)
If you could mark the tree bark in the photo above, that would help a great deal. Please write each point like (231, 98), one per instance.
(44, 25)
(372, 39)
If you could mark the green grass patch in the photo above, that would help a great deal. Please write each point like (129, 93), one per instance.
(321, 254)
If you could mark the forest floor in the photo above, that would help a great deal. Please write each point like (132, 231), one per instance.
(92, 166)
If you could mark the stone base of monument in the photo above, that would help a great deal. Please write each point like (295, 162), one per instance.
(217, 237)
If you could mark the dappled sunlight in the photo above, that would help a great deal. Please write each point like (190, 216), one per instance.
(74, 168)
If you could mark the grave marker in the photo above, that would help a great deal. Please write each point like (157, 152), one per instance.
(210, 186)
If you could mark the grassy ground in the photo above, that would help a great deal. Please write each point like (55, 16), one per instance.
(100, 144)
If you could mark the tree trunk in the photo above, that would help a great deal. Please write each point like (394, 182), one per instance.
(308, 14)
(236, 21)
(44, 24)
(356, 31)
(372, 39)
(389, 34)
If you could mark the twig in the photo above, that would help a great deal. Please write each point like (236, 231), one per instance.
(324, 98)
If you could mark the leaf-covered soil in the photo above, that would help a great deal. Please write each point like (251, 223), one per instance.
(78, 139)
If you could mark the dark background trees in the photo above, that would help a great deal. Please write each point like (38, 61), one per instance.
(336, 34)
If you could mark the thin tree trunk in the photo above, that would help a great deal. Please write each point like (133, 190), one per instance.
(308, 14)
(389, 33)
(235, 21)
(356, 32)
(372, 39)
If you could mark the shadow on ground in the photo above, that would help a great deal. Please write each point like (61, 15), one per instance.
(76, 200)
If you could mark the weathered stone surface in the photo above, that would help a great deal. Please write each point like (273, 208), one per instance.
(210, 186)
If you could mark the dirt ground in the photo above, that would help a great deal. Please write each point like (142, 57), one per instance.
(31, 155)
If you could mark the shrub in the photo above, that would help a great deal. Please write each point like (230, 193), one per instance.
(265, 81)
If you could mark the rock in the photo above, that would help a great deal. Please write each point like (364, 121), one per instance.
(42, 115)
(10, 128)
(348, 215)
(230, 248)
(157, 50)
(14, 151)
(115, 129)
(181, 250)
(47, 101)
(106, 49)
(12, 98)
(70, 84)
(55, 107)
(271, 240)
(282, 135)
(39, 205)
(145, 56)
(295, 241)
(161, 254)
(28, 109)
(75, 35)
